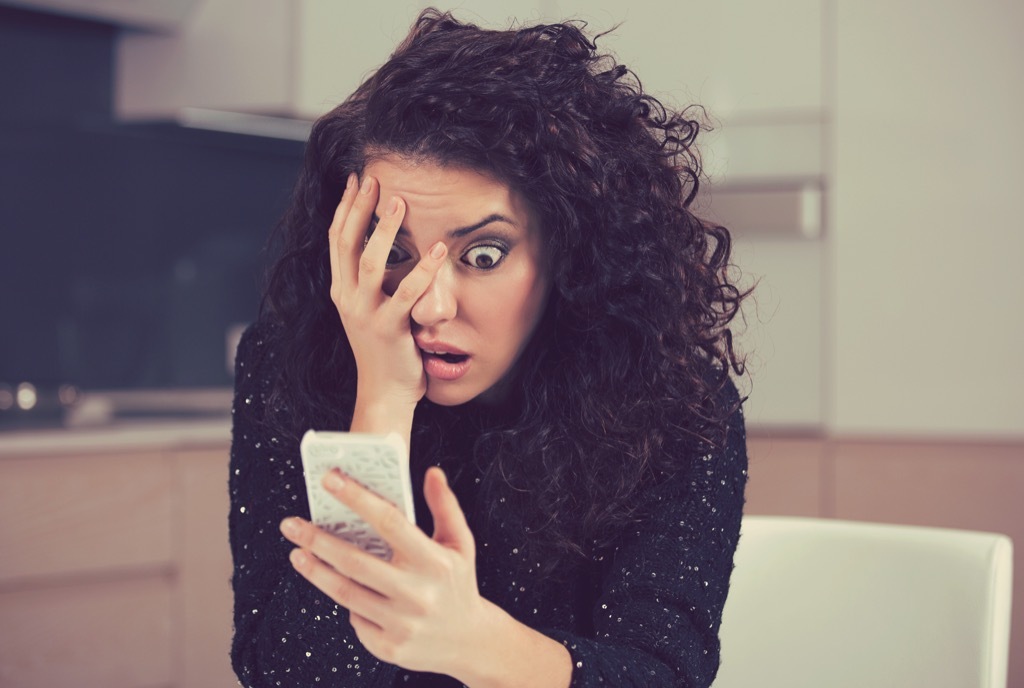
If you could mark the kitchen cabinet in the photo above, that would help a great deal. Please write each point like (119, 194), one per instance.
(926, 247)
(115, 632)
(265, 57)
(737, 57)
(741, 59)
(116, 566)
(204, 568)
(900, 316)
(116, 569)
(781, 332)
(67, 516)
(156, 15)
(757, 69)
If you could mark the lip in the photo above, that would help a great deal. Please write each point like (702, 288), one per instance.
(440, 369)
(435, 366)
(439, 347)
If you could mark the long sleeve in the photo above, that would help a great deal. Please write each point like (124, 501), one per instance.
(287, 633)
(646, 615)
(661, 597)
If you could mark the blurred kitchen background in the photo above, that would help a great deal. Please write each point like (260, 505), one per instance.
(867, 155)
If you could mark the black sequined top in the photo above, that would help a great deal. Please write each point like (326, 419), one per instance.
(646, 614)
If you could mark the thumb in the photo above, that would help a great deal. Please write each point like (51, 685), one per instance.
(450, 527)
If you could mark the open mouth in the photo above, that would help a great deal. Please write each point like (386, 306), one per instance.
(447, 358)
(445, 366)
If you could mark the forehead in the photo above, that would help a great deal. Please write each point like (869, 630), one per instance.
(448, 195)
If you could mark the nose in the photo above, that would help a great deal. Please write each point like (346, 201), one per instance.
(438, 303)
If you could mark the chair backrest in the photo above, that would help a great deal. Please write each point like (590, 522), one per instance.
(839, 604)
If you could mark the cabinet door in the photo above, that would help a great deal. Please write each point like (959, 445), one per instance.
(781, 332)
(86, 570)
(735, 57)
(929, 163)
(204, 569)
(338, 44)
(115, 633)
(72, 515)
(297, 58)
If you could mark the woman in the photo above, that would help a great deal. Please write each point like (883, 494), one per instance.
(489, 252)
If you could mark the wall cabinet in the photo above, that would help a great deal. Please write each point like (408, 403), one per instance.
(927, 285)
(738, 58)
(266, 57)
(903, 317)
(756, 67)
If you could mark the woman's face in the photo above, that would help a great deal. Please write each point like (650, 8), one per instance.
(485, 301)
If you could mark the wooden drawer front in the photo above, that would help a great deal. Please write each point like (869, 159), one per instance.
(115, 634)
(84, 514)
(785, 476)
(204, 572)
(973, 486)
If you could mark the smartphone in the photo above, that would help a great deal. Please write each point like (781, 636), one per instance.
(379, 462)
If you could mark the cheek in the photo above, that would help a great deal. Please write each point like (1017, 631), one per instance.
(514, 310)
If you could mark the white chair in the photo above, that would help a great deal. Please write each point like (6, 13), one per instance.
(838, 604)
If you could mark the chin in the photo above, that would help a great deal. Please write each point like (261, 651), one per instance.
(443, 395)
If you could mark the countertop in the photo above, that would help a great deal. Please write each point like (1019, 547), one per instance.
(128, 420)
(145, 435)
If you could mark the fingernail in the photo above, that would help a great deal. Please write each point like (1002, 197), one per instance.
(298, 557)
(393, 205)
(351, 181)
(438, 250)
(290, 527)
(333, 481)
(367, 183)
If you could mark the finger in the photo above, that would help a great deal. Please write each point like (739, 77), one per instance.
(343, 274)
(369, 633)
(374, 260)
(390, 523)
(346, 558)
(344, 591)
(450, 527)
(353, 230)
(415, 284)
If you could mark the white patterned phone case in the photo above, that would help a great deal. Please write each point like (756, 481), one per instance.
(379, 462)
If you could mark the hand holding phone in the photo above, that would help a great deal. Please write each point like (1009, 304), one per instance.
(379, 462)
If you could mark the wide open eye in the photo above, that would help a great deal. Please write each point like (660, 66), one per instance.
(485, 257)
(396, 256)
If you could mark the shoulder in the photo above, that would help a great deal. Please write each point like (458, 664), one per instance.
(257, 367)
(726, 428)
(711, 417)
(712, 459)
(253, 344)
(729, 404)
(259, 352)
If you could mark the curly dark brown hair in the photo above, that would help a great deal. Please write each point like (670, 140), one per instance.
(621, 382)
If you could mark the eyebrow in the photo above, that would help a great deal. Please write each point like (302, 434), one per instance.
(463, 231)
